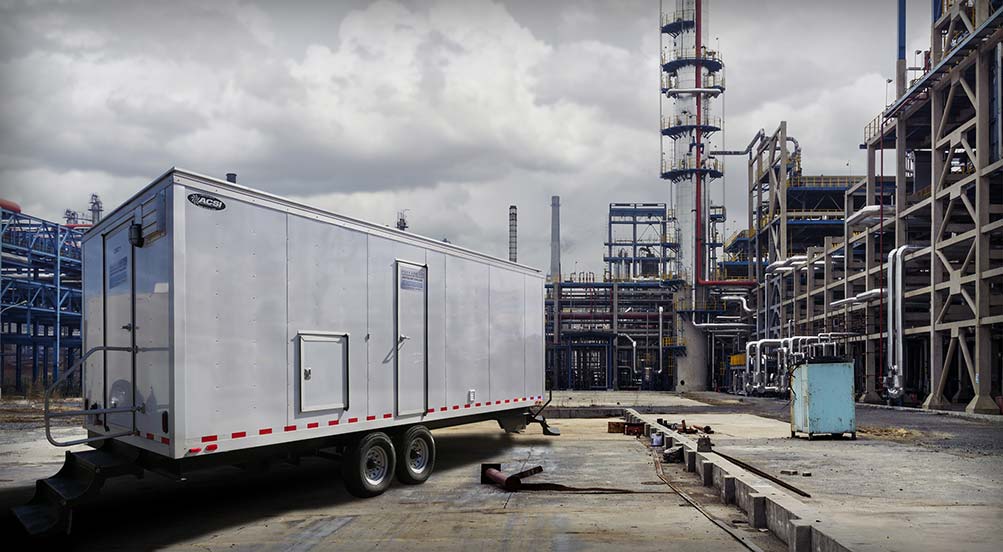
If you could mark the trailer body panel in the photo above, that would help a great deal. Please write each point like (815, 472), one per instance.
(259, 321)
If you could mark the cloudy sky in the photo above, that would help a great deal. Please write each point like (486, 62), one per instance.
(451, 109)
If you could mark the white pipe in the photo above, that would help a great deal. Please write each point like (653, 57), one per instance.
(661, 340)
(633, 345)
(898, 378)
(895, 381)
(869, 295)
(738, 299)
(754, 382)
(890, 336)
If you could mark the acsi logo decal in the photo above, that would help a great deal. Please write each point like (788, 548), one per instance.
(206, 202)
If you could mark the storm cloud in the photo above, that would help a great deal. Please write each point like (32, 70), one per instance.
(451, 109)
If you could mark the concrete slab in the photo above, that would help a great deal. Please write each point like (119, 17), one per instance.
(567, 399)
(304, 507)
(735, 426)
(875, 494)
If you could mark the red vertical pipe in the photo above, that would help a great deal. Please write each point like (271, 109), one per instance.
(699, 174)
(699, 280)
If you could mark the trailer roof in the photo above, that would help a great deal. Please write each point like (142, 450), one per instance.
(393, 232)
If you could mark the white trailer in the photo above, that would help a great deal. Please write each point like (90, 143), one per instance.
(222, 323)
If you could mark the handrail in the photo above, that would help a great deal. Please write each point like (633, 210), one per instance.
(66, 374)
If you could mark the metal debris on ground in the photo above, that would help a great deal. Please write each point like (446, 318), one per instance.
(788, 472)
(681, 427)
(673, 455)
(633, 429)
(491, 473)
(615, 427)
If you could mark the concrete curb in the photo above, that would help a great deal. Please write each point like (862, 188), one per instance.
(558, 412)
(797, 524)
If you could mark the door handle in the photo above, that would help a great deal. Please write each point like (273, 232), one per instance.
(307, 373)
(402, 338)
(127, 327)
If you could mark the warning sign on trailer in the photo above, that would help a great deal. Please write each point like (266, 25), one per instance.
(119, 272)
(413, 279)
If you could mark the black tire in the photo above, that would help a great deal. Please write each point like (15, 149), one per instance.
(415, 455)
(368, 466)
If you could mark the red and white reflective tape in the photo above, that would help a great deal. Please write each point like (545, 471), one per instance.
(213, 439)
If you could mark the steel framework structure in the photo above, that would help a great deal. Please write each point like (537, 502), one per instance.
(938, 205)
(619, 331)
(40, 275)
(948, 123)
(641, 241)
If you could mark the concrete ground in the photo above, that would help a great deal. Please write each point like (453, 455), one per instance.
(577, 399)
(912, 481)
(306, 507)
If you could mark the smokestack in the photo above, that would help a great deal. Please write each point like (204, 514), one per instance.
(231, 177)
(900, 66)
(555, 238)
(512, 242)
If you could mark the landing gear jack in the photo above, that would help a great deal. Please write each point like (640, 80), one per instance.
(547, 430)
(536, 418)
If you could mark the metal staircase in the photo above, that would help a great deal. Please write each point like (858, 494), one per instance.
(83, 474)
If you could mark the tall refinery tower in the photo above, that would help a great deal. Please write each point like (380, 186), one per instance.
(692, 83)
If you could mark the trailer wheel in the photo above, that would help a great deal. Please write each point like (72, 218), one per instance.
(368, 467)
(415, 455)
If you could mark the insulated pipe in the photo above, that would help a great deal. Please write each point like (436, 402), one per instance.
(797, 146)
(661, 340)
(894, 382)
(738, 299)
(748, 149)
(890, 337)
(869, 295)
(749, 346)
(757, 345)
(763, 370)
(633, 346)
(898, 381)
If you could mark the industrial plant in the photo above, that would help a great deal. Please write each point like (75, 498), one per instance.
(899, 269)
(819, 370)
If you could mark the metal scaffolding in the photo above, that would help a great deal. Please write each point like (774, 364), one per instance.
(40, 321)
(618, 331)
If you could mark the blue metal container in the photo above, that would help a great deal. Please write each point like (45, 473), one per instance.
(822, 399)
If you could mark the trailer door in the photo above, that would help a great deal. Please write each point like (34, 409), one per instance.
(411, 297)
(119, 313)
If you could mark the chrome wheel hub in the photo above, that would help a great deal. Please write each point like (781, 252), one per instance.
(376, 466)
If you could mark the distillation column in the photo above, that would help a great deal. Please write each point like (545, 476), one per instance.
(691, 82)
